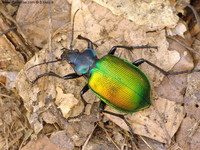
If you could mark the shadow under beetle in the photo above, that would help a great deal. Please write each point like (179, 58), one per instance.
(117, 82)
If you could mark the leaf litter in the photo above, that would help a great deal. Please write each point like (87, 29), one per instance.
(160, 122)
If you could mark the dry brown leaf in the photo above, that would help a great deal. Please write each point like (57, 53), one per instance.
(62, 140)
(188, 135)
(65, 101)
(34, 19)
(43, 143)
(154, 14)
(49, 118)
(173, 87)
(158, 126)
(192, 96)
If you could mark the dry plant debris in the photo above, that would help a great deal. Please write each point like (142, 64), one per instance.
(35, 113)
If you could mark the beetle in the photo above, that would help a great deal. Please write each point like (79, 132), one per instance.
(115, 81)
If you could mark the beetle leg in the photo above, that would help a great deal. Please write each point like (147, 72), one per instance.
(84, 90)
(90, 43)
(140, 61)
(69, 76)
(102, 106)
(114, 48)
(101, 109)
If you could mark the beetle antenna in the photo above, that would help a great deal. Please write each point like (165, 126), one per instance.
(72, 38)
(71, 46)
(48, 62)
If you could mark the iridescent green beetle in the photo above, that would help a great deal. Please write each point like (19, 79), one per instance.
(120, 84)
(117, 82)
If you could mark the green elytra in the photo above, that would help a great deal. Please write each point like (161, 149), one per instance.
(120, 84)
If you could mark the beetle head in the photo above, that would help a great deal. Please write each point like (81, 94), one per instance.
(69, 55)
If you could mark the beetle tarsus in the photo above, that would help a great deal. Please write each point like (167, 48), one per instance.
(69, 76)
(78, 116)
(90, 43)
(166, 73)
(114, 48)
(182, 72)
(84, 90)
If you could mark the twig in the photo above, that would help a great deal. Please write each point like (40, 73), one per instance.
(6, 96)
(86, 142)
(101, 125)
(184, 45)
(148, 145)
